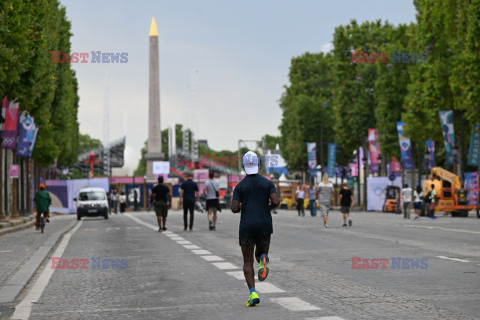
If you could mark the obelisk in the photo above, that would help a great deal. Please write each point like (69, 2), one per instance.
(154, 145)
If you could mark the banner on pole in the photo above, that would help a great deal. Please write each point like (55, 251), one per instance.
(25, 134)
(446, 120)
(312, 155)
(312, 158)
(332, 158)
(34, 133)
(405, 148)
(473, 151)
(472, 185)
(430, 159)
(9, 133)
(374, 150)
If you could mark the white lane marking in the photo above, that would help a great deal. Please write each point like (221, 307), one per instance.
(202, 252)
(266, 287)
(191, 246)
(212, 258)
(22, 310)
(171, 235)
(148, 225)
(454, 259)
(90, 229)
(325, 318)
(6, 251)
(294, 304)
(184, 242)
(239, 275)
(177, 238)
(442, 228)
(133, 227)
(224, 265)
(111, 228)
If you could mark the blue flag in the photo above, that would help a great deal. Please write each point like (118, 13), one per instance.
(473, 152)
(405, 148)
(332, 158)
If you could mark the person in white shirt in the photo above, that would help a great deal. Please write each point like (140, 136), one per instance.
(406, 195)
(300, 194)
(212, 193)
(417, 201)
(325, 191)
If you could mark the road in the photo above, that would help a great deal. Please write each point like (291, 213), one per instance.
(198, 275)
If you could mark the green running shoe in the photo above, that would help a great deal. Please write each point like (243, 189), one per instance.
(253, 300)
(263, 270)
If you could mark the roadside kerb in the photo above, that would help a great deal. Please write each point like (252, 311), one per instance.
(18, 226)
(15, 285)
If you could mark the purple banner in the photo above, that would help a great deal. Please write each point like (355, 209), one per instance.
(9, 134)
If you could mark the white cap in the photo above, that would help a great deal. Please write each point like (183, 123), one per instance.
(250, 162)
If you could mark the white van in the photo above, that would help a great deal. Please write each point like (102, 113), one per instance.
(91, 202)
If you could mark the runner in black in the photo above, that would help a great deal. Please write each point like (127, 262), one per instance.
(161, 196)
(252, 196)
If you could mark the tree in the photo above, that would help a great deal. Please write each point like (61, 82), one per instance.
(354, 87)
(87, 143)
(305, 104)
(142, 163)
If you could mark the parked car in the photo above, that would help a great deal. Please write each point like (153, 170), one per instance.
(91, 202)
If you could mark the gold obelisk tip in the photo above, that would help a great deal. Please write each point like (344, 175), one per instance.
(153, 29)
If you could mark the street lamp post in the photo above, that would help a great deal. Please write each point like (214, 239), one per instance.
(325, 104)
(455, 159)
(364, 159)
(427, 162)
(379, 159)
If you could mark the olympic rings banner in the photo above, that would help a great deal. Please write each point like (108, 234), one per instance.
(10, 114)
(376, 191)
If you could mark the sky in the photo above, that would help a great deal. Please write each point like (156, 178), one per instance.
(233, 55)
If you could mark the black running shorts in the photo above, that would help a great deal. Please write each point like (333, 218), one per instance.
(257, 240)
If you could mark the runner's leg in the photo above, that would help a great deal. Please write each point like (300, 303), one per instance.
(214, 210)
(192, 209)
(185, 215)
(247, 252)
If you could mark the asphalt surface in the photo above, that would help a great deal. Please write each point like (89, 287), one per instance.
(198, 275)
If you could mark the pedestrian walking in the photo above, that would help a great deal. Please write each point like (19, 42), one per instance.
(188, 195)
(150, 201)
(430, 201)
(417, 201)
(312, 198)
(300, 195)
(115, 201)
(135, 200)
(325, 192)
(346, 202)
(210, 190)
(406, 195)
(254, 196)
(122, 199)
(162, 200)
(110, 201)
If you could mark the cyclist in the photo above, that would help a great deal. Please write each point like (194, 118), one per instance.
(42, 200)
